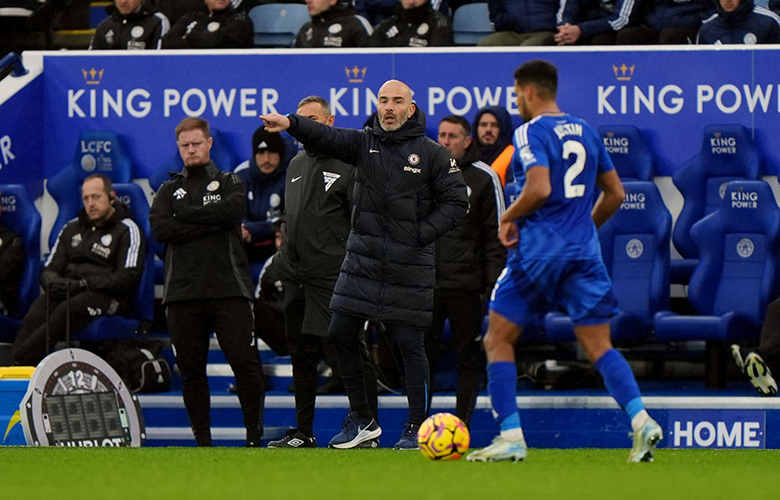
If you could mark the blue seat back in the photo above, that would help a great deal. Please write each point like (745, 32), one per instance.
(738, 247)
(633, 159)
(21, 217)
(636, 250)
(471, 23)
(277, 24)
(511, 192)
(97, 152)
(728, 153)
(133, 196)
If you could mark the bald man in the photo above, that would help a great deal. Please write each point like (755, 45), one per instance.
(408, 193)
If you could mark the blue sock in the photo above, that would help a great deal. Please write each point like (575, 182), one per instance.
(620, 382)
(502, 387)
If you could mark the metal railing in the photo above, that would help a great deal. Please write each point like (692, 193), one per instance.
(17, 68)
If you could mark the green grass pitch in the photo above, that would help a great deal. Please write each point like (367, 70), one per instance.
(236, 473)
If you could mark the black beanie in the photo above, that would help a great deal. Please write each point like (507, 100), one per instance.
(266, 140)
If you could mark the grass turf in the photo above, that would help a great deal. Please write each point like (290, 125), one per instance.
(232, 473)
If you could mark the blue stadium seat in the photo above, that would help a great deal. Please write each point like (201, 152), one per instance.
(21, 216)
(98, 152)
(471, 23)
(633, 158)
(727, 153)
(737, 274)
(118, 327)
(277, 24)
(636, 251)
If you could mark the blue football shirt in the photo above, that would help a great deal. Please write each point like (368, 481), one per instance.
(562, 228)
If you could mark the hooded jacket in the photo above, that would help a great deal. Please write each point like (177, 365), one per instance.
(678, 14)
(219, 29)
(338, 26)
(109, 256)
(142, 29)
(599, 16)
(264, 199)
(470, 257)
(748, 24)
(505, 129)
(408, 193)
(417, 27)
(523, 16)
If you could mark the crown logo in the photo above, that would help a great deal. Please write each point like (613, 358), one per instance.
(355, 74)
(623, 72)
(610, 134)
(717, 134)
(93, 76)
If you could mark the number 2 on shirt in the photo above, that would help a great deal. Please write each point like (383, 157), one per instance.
(578, 150)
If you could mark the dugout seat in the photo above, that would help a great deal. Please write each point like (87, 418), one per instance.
(97, 152)
(277, 24)
(633, 158)
(636, 251)
(736, 276)
(728, 153)
(119, 327)
(21, 217)
(471, 23)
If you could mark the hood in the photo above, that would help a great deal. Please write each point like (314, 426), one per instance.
(741, 13)
(491, 152)
(120, 212)
(414, 127)
(147, 7)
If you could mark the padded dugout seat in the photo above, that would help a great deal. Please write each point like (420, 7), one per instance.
(277, 24)
(471, 23)
(633, 158)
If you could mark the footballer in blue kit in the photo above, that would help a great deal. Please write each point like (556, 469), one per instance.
(559, 161)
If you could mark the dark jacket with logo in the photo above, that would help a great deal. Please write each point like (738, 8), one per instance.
(338, 26)
(408, 193)
(523, 16)
(599, 16)
(197, 214)
(220, 29)
(747, 24)
(109, 256)
(264, 199)
(143, 29)
(470, 257)
(11, 267)
(318, 202)
(418, 27)
(678, 14)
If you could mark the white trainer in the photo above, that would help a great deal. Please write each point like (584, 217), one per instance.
(500, 450)
(645, 441)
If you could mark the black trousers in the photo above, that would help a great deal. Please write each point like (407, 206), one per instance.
(269, 327)
(344, 332)
(465, 312)
(307, 349)
(770, 338)
(30, 345)
(190, 324)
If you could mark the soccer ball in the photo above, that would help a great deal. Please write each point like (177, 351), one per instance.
(443, 436)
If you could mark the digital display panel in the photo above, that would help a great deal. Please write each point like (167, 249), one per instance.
(76, 417)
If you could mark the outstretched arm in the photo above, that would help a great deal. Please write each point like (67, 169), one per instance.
(341, 143)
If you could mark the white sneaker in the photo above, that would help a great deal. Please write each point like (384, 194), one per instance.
(760, 375)
(500, 450)
(645, 441)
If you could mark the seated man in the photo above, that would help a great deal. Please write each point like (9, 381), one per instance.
(11, 266)
(264, 181)
(416, 24)
(668, 22)
(759, 364)
(269, 301)
(522, 22)
(222, 27)
(99, 257)
(740, 22)
(594, 22)
(132, 25)
(334, 23)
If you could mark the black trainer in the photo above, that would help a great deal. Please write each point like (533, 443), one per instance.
(294, 439)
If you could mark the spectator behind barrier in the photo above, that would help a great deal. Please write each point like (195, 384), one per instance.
(522, 22)
(222, 27)
(98, 257)
(669, 22)
(175, 9)
(595, 22)
(131, 25)
(492, 131)
(377, 11)
(263, 176)
(11, 266)
(333, 24)
(415, 24)
(740, 22)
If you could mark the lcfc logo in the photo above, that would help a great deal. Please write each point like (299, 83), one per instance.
(355, 74)
(93, 76)
(623, 72)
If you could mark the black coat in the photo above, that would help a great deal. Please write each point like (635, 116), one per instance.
(220, 29)
(417, 27)
(408, 193)
(11, 267)
(140, 30)
(197, 214)
(337, 27)
(470, 257)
